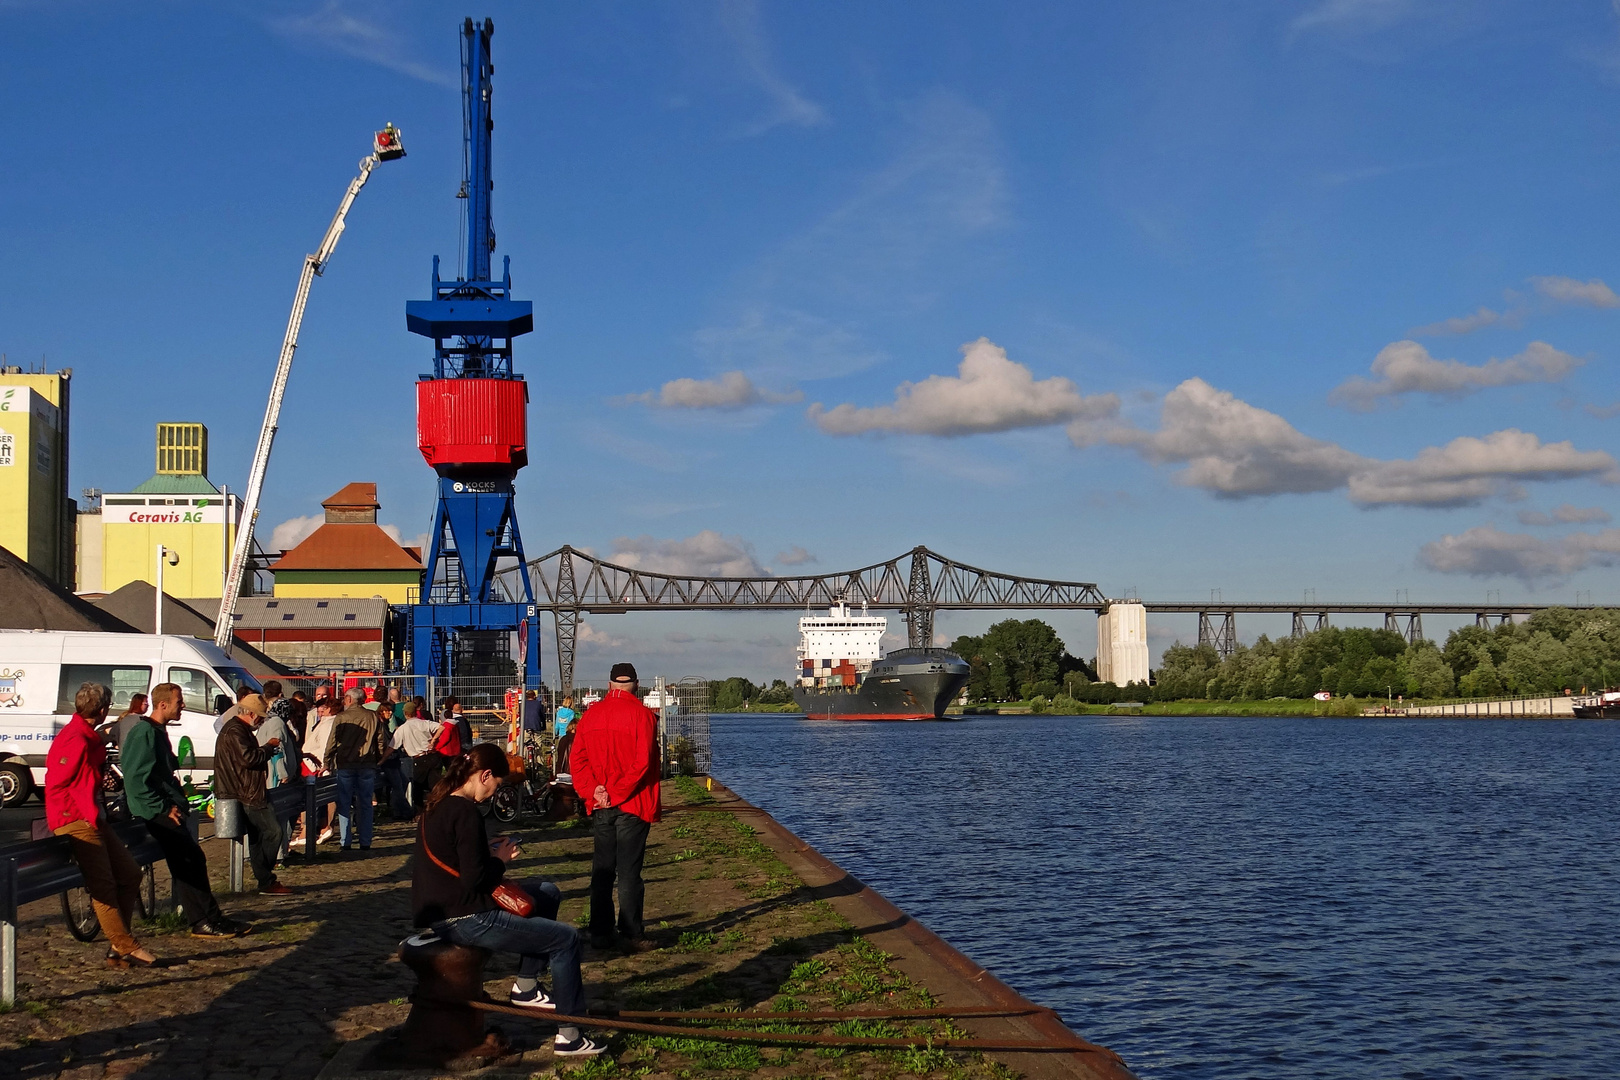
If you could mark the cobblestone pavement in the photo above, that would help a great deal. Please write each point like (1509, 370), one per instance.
(318, 968)
(735, 928)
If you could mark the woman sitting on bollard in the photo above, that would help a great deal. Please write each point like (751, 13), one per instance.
(458, 874)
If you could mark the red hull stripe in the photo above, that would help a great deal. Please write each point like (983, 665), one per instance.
(870, 716)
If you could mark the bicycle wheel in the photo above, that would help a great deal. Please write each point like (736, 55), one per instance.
(508, 798)
(80, 915)
(146, 899)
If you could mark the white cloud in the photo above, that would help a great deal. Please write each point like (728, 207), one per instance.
(733, 390)
(1466, 324)
(707, 554)
(795, 556)
(294, 531)
(741, 21)
(588, 638)
(1405, 367)
(337, 26)
(1236, 450)
(419, 541)
(1468, 469)
(1567, 514)
(1603, 412)
(1554, 291)
(1229, 447)
(989, 393)
(1356, 15)
(1565, 290)
(1486, 551)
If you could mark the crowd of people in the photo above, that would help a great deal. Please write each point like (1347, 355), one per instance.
(386, 752)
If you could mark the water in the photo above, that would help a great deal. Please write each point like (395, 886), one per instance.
(1244, 898)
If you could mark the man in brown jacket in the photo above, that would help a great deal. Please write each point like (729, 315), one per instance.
(241, 767)
(353, 752)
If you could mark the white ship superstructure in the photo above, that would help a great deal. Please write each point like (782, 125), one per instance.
(838, 648)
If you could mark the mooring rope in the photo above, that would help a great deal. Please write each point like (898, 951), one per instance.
(786, 1038)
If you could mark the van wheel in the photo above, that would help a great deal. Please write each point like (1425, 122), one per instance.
(16, 783)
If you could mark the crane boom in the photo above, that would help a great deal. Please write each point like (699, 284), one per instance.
(386, 147)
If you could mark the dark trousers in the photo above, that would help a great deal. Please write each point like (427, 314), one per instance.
(396, 772)
(426, 770)
(263, 841)
(188, 866)
(621, 845)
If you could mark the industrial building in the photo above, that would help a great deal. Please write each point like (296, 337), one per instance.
(177, 507)
(36, 515)
(349, 555)
(1122, 645)
(307, 632)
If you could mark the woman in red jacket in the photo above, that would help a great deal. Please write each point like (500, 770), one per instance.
(73, 809)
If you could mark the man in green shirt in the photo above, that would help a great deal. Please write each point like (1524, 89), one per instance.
(156, 797)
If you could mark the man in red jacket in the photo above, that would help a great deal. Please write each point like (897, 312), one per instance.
(73, 809)
(616, 770)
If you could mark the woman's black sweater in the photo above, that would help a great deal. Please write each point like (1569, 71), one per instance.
(454, 833)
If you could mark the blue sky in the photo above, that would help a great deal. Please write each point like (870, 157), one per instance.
(1272, 296)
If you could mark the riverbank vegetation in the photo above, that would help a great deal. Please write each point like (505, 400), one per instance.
(1021, 665)
(1552, 651)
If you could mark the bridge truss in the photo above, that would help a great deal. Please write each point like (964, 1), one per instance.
(571, 583)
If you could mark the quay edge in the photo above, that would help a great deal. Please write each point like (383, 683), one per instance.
(930, 961)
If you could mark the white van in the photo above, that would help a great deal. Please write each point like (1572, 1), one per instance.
(42, 670)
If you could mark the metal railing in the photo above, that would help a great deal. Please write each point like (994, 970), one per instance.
(40, 868)
(309, 796)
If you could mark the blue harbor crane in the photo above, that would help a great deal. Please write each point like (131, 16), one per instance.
(472, 428)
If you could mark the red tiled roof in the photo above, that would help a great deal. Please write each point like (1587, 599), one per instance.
(348, 547)
(356, 495)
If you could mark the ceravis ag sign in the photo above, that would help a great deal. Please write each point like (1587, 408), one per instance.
(135, 510)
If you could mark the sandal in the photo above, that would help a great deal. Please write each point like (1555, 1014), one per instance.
(124, 960)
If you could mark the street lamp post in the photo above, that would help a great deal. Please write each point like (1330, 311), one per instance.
(164, 555)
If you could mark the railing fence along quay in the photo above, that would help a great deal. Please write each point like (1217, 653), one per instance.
(41, 868)
(1550, 705)
(308, 797)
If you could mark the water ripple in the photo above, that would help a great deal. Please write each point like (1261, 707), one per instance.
(1244, 898)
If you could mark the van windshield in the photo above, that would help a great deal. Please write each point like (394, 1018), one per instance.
(237, 679)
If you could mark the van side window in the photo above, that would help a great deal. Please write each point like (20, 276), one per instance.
(125, 682)
(197, 690)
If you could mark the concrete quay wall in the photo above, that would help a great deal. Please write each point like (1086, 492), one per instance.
(1551, 707)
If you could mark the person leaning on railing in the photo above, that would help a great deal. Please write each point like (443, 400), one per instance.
(456, 872)
(156, 797)
(73, 770)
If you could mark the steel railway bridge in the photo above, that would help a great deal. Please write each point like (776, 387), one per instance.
(570, 583)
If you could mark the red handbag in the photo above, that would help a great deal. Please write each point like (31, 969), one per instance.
(508, 896)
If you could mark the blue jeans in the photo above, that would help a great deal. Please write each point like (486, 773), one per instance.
(355, 789)
(538, 940)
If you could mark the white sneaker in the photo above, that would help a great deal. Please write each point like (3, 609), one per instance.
(531, 999)
(580, 1047)
(326, 834)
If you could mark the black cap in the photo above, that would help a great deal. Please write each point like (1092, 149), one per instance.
(623, 671)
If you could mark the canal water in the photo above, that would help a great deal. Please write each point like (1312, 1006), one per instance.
(1243, 898)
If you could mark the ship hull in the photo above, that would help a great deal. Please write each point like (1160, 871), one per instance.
(922, 696)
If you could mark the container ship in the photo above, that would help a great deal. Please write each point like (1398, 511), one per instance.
(843, 674)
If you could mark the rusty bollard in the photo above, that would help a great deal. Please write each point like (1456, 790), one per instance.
(436, 1030)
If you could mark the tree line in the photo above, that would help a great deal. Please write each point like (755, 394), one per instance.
(1552, 651)
(1024, 659)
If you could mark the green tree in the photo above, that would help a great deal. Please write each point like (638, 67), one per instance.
(778, 693)
(1427, 675)
(732, 695)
